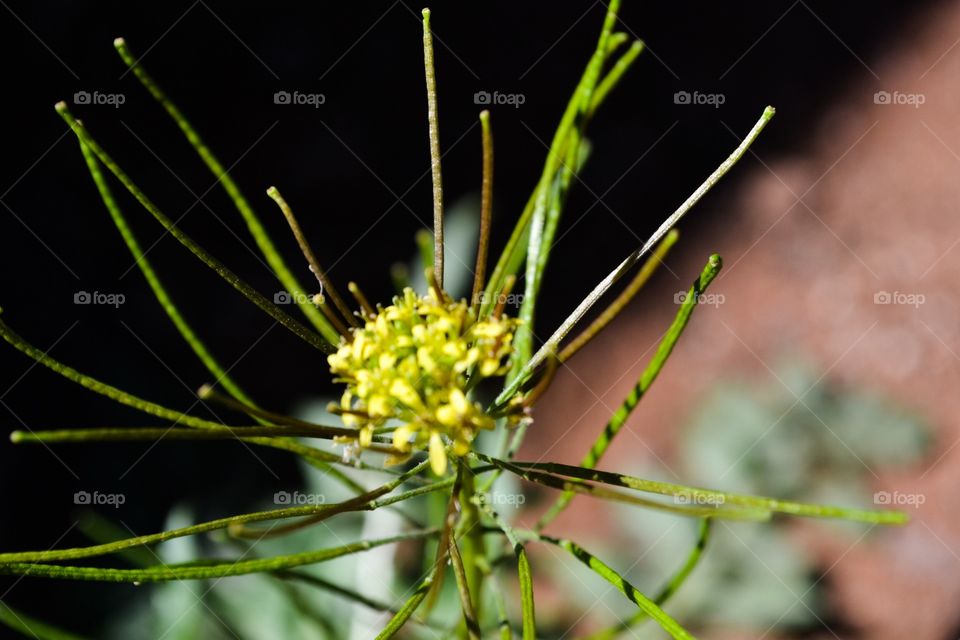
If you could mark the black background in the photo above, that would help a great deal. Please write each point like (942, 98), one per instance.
(222, 62)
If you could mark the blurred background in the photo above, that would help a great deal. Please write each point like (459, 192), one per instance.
(825, 366)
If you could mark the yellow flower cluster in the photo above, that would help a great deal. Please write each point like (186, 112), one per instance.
(413, 363)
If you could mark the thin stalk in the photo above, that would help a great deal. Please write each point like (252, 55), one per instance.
(370, 501)
(697, 495)
(650, 373)
(515, 250)
(325, 283)
(366, 500)
(366, 308)
(159, 291)
(204, 570)
(259, 234)
(552, 343)
(406, 611)
(132, 434)
(232, 279)
(670, 588)
(208, 393)
(486, 211)
(434, 127)
(618, 305)
(466, 600)
(524, 575)
(645, 604)
(679, 508)
(469, 528)
(152, 408)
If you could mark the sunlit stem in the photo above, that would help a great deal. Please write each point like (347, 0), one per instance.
(574, 318)
(618, 305)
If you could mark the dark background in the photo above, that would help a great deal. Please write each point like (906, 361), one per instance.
(342, 167)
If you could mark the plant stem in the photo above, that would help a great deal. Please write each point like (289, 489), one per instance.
(552, 344)
(434, 127)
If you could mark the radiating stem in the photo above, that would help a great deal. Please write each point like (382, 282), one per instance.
(618, 305)
(650, 373)
(259, 234)
(434, 125)
(310, 256)
(486, 211)
(245, 289)
(553, 342)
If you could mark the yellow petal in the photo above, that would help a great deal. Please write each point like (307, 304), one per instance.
(438, 455)
(366, 436)
(401, 437)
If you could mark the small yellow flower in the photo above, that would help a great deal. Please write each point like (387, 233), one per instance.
(413, 363)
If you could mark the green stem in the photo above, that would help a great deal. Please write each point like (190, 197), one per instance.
(697, 495)
(670, 588)
(159, 291)
(232, 279)
(552, 344)
(204, 570)
(259, 234)
(650, 373)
